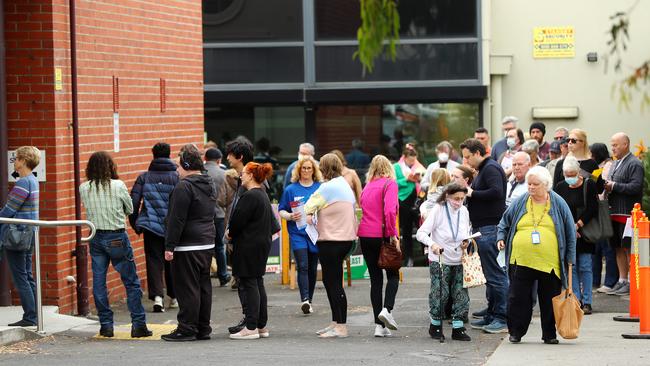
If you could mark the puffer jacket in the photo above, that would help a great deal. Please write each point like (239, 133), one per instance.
(152, 189)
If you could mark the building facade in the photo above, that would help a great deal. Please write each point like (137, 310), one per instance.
(140, 81)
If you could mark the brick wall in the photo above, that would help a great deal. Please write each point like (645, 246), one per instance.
(139, 42)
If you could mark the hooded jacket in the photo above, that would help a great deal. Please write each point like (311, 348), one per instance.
(190, 220)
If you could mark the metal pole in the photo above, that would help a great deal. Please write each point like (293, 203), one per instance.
(39, 293)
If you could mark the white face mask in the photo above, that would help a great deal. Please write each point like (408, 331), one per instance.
(511, 142)
(443, 157)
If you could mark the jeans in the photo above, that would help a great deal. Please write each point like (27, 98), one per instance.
(307, 263)
(603, 249)
(497, 280)
(20, 265)
(115, 248)
(220, 249)
(582, 274)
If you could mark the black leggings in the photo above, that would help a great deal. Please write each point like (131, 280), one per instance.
(406, 220)
(332, 254)
(254, 301)
(370, 249)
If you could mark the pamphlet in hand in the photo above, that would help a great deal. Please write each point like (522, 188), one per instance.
(311, 230)
(299, 207)
(473, 236)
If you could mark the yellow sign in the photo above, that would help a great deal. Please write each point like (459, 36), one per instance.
(553, 42)
(58, 79)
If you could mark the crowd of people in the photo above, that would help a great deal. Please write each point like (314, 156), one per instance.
(524, 201)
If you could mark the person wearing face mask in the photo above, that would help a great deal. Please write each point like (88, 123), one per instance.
(508, 123)
(443, 151)
(446, 229)
(580, 194)
(514, 139)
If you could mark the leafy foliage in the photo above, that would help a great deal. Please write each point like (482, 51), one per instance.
(637, 82)
(379, 22)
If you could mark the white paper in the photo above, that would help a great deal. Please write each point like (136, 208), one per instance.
(311, 229)
(501, 258)
(299, 206)
(473, 236)
(629, 231)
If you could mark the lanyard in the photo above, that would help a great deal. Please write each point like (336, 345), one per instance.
(451, 227)
(532, 213)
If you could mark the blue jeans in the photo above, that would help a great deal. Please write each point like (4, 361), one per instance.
(115, 248)
(20, 265)
(497, 279)
(611, 268)
(582, 274)
(220, 250)
(307, 263)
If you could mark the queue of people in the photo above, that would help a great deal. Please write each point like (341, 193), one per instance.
(523, 200)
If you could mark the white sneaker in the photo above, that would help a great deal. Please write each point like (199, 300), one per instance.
(381, 332)
(387, 318)
(158, 306)
(604, 289)
(173, 304)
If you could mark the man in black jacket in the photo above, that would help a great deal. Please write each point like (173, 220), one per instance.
(189, 244)
(486, 204)
(625, 188)
(150, 197)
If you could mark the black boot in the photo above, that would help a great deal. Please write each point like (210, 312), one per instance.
(140, 332)
(106, 332)
(435, 331)
(459, 334)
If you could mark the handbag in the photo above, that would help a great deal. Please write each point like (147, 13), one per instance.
(390, 257)
(600, 226)
(567, 312)
(472, 271)
(18, 238)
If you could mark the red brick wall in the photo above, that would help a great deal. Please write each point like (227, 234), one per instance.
(139, 42)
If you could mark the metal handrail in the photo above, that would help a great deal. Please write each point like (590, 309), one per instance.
(37, 251)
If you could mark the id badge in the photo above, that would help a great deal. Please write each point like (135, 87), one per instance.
(535, 237)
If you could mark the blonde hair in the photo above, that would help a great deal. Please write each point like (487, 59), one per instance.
(582, 135)
(380, 166)
(30, 155)
(330, 166)
(316, 174)
(439, 177)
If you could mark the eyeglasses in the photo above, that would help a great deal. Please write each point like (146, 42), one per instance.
(306, 168)
(558, 138)
(573, 141)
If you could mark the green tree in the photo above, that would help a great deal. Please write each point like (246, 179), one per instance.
(379, 30)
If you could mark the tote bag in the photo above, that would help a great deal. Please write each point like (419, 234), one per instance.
(472, 271)
(567, 311)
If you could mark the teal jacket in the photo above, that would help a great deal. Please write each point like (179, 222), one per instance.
(564, 227)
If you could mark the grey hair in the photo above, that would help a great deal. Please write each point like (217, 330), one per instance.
(524, 154)
(444, 144)
(564, 130)
(507, 119)
(309, 146)
(530, 145)
(570, 165)
(542, 174)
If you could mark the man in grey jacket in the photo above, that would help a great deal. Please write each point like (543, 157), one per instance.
(625, 188)
(213, 167)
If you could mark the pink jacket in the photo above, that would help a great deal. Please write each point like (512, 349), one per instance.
(371, 199)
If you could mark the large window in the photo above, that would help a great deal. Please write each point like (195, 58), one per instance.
(253, 65)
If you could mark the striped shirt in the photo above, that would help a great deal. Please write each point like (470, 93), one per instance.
(107, 209)
(22, 202)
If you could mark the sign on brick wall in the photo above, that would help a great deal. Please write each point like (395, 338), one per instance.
(39, 171)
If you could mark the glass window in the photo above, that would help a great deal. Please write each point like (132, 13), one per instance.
(413, 62)
(253, 65)
(252, 20)
(384, 129)
(340, 19)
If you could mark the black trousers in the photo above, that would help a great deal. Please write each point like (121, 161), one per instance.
(370, 249)
(254, 303)
(154, 252)
(406, 220)
(193, 290)
(520, 300)
(331, 255)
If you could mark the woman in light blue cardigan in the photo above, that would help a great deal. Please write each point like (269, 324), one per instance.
(539, 238)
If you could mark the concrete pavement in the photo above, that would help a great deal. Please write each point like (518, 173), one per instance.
(293, 340)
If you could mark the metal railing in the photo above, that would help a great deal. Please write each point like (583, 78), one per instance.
(37, 252)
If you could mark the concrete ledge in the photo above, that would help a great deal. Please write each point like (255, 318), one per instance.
(13, 335)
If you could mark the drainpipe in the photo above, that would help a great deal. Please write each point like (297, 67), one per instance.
(5, 289)
(81, 250)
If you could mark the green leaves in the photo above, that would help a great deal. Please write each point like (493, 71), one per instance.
(379, 28)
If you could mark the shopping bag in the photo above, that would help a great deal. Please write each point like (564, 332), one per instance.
(567, 311)
(472, 271)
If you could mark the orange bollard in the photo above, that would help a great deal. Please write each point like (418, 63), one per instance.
(633, 316)
(643, 280)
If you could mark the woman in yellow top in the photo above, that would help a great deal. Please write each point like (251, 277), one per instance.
(539, 239)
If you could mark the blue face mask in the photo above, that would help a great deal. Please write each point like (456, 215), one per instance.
(571, 180)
